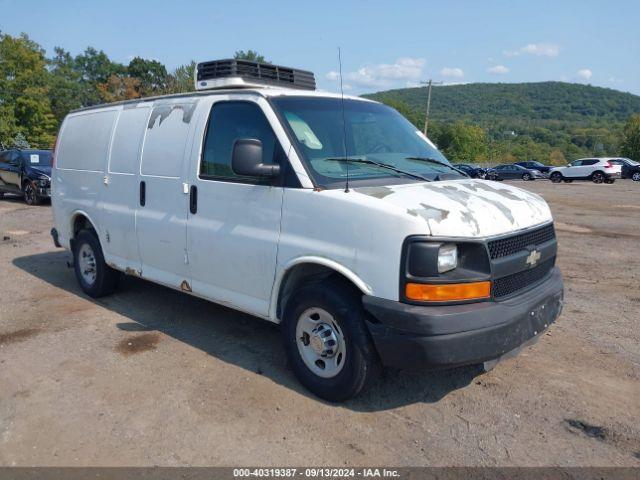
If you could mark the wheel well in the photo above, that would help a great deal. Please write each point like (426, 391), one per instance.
(81, 222)
(308, 273)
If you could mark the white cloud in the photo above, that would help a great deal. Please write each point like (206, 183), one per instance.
(332, 75)
(452, 72)
(403, 71)
(498, 70)
(585, 73)
(537, 49)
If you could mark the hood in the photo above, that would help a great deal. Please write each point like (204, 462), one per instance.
(466, 208)
(41, 170)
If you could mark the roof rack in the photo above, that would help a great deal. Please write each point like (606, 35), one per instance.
(233, 73)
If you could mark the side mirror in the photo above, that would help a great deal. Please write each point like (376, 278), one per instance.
(246, 159)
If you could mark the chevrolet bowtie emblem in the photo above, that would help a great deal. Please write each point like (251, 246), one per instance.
(533, 258)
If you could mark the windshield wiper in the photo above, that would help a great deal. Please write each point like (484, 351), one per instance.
(377, 164)
(437, 162)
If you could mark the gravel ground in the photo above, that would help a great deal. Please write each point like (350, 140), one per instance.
(150, 376)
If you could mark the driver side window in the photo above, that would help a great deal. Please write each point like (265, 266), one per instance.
(228, 122)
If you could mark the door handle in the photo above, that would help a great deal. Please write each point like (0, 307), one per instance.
(193, 199)
(143, 193)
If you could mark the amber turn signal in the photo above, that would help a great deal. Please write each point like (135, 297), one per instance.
(448, 292)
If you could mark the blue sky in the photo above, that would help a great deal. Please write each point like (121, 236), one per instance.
(384, 44)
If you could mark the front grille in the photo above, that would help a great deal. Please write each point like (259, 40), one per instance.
(510, 245)
(517, 281)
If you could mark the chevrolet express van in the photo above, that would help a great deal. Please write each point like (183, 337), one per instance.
(332, 216)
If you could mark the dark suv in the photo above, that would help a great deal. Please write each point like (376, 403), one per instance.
(533, 165)
(26, 173)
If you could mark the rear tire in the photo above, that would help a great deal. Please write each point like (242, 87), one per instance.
(597, 177)
(526, 177)
(327, 342)
(556, 177)
(95, 277)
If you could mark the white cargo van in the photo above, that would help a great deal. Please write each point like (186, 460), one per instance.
(332, 216)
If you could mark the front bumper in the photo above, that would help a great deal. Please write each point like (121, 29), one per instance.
(416, 337)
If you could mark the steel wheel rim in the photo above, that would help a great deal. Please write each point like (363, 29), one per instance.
(87, 264)
(320, 342)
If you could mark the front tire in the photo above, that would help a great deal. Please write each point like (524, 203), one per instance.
(327, 342)
(95, 277)
(597, 177)
(526, 177)
(30, 193)
(556, 177)
(636, 177)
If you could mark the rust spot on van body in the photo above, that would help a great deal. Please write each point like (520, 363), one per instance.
(138, 343)
(185, 287)
(132, 272)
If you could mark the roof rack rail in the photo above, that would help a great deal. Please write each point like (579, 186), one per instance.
(234, 73)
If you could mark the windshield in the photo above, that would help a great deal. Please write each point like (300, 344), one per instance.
(536, 164)
(374, 133)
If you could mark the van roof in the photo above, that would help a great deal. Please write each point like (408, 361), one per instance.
(266, 92)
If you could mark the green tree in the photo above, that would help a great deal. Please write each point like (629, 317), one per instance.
(24, 92)
(181, 80)
(250, 55)
(152, 75)
(631, 138)
(66, 92)
(462, 142)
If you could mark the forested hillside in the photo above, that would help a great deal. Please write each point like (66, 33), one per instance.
(484, 122)
(548, 121)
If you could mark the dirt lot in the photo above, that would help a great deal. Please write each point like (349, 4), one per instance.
(150, 376)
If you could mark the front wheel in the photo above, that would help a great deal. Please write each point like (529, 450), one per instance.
(95, 277)
(556, 177)
(327, 342)
(526, 177)
(30, 193)
(597, 177)
(636, 177)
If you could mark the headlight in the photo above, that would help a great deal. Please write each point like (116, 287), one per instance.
(447, 257)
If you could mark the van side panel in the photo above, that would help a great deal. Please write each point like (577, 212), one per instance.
(81, 159)
(161, 223)
(120, 196)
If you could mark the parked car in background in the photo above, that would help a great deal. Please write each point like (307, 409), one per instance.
(516, 171)
(473, 171)
(26, 173)
(598, 170)
(533, 165)
(630, 168)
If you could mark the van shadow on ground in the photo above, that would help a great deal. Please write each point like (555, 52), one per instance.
(234, 337)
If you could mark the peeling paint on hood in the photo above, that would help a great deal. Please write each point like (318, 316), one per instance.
(466, 208)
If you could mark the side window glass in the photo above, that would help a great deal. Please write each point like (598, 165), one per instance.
(228, 122)
(576, 163)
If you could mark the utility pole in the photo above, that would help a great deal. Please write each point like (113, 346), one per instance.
(426, 119)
